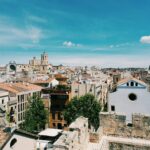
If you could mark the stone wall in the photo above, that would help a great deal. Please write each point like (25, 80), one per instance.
(121, 146)
(3, 137)
(76, 138)
(115, 125)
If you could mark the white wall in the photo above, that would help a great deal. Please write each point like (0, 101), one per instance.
(124, 105)
(23, 143)
(4, 97)
(53, 83)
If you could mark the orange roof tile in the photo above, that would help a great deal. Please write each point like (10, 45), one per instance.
(44, 81)
(19, 87)
(28, 86)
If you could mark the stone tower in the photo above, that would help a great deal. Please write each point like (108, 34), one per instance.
(44, 59)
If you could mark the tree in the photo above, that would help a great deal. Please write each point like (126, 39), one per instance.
(35, 116)
(86, 106)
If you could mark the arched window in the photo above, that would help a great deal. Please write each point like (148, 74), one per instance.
(13, 141)
(136, 84)
(132, 83)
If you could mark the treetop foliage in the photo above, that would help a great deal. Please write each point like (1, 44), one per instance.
(86, 106)
(35, 116)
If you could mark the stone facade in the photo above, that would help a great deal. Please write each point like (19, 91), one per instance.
(38, 65)
(3, 136)
(121, 146)
(76, 138)
(115, 125)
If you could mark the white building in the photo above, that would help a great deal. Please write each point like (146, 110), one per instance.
(47, 137)
(4, 98)
(19, 94)
(48, 83)
(131, 96)
(20, 140)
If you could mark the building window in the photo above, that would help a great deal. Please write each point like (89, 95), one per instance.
(19, 108)
(59, 126)
(13, 141)
(22, 98)
(136, 84)
(59, 116)
(76, 91)
(2, 101)
(130, 125)
(23, 107)
(65, 125)
(117, 79)
(132, 83)
(53, 115)
(127, 84)
(19, 117)
(18, 99)
(112, 108)
(54, 125)
(132, 97)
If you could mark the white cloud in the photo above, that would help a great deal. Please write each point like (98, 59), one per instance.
(10, 35)
(14, 35)
(36, 19)
(68, 44)
(35, 34)
(145, 39)
(111, 46)
(71, 44)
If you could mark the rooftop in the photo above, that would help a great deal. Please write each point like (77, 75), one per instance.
(17, 88)
(50, 132)
(79, 122)
(129, 79)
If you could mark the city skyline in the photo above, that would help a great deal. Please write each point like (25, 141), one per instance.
(104, 33)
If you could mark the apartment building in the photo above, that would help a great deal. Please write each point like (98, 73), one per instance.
(58, 99)
(19, 93)
(4, 98)
(99, 90)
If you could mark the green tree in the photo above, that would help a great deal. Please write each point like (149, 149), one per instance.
(35, 116)
(86, 106)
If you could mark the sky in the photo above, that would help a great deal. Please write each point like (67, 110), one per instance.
(107, 33)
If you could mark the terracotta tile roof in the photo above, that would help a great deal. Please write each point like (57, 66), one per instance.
(8, 87)
(28, 86)
(44, 81)
(19, 87)
(60, 76)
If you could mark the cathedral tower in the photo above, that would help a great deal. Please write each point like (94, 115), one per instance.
(44, 59)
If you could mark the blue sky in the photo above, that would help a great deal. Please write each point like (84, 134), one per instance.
(73, 32)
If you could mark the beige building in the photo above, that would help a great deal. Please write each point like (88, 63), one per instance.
(38, 65)
(76, 138)
(4, 98)
(115, 134)
(100, 91)
(20, 93)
